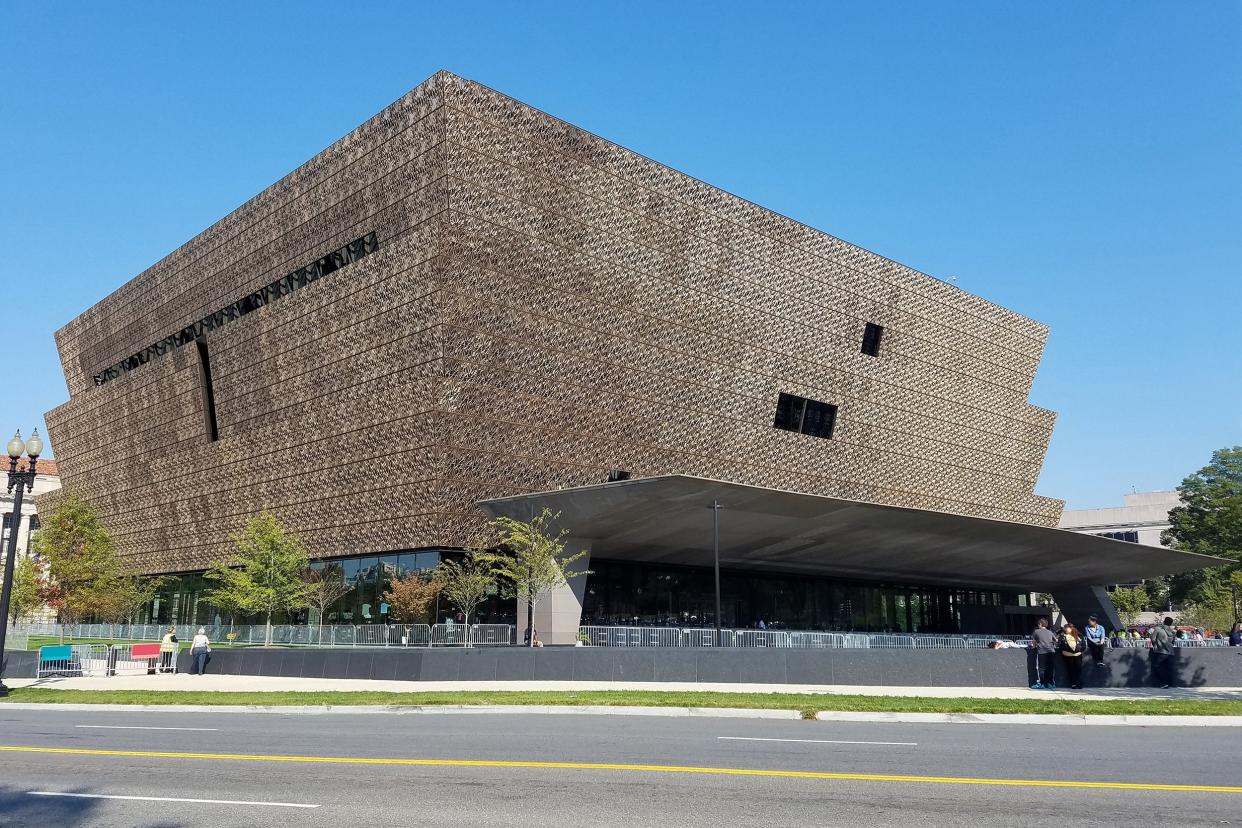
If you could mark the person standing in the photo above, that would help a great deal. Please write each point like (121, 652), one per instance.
(168, 649)
(1071, 645)
(1044, 643)
(1096, 637)
(1235, 635)
(1162, 638)
(200, 648)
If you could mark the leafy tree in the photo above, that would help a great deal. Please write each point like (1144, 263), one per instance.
(1129, 602)
(130, 593)
(1209, 522)
(467, 583)
(532, 562)
(410, 598)
(82, 565)
(265, 575)
(27, 588)
(323, 587)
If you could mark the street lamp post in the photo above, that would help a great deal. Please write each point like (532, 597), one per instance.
(19, 483)
(716, 549)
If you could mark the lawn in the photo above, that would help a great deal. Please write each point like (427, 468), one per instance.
(807, 704)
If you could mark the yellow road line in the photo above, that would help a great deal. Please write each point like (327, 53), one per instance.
(610, 766)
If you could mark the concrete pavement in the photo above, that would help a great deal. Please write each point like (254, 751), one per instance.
(274, 769)
(182, 681)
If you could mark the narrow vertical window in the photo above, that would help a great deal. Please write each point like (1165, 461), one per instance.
(209, 394)
(871, 339)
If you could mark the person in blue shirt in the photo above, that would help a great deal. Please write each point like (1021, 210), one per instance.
(1096, 636)
(1235, 635)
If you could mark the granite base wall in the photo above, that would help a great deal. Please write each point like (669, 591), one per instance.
(917, 668)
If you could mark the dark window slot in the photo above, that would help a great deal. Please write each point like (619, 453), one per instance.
(810, 417)
(209, 393)
(299, 278)
(871, 339)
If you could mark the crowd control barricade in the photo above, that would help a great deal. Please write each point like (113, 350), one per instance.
(816, 640)
(490, 635)
(138, 659)
(449, 635)
(760, 638)
(1207, 642)
(413, 635)
(699, 637)
(905, 641)
(936, 642)
(72, 660)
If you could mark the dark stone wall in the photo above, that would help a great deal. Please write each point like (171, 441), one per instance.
(876, 667)
(910, 668)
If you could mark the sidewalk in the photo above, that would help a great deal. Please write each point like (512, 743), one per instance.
(272, 684)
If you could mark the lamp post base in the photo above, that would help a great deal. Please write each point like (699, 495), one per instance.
(4, 691)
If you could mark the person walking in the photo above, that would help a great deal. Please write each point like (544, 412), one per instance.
(1096, 638)
(1044, 643)
(1162, 638)
(200, 648)
(1071, 644)
(168, 649)
(1235, 635)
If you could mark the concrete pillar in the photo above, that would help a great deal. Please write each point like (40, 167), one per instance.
(1079, 603)
(559, 612)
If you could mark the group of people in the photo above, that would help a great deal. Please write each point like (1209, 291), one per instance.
(200, 648)
(1068, 644)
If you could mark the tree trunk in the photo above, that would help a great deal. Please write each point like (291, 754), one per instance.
(267, 634)
(530, 623)
(467, 615)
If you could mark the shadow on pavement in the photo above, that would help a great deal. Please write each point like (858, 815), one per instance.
(20, 808)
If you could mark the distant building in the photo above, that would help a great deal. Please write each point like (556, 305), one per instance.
(1142, 519)
(47, 479)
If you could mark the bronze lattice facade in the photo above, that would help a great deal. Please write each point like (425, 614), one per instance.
(521, 306)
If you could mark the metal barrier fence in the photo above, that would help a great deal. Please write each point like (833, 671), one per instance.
(338, 635)
(140, 659)
(16, 640)
(72, 660)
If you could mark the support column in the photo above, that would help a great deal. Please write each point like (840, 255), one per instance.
(559, 612)
(1078, 603)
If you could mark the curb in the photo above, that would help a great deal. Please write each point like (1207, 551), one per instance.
(1072, 719)
(1032, 719)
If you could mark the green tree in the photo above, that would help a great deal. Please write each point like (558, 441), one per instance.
(130, 593)
(265, 574)
(467, 583)
(323, 587)
(532, 561)
(27, 588)
(82, 565)
(1129, 602)
(1209, 522)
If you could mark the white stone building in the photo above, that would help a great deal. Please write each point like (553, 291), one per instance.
(47, 479)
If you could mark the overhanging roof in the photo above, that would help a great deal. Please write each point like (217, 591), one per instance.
(669, 520)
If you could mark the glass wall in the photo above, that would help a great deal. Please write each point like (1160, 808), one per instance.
(625, 593)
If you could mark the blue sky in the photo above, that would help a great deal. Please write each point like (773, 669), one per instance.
(1078, 163)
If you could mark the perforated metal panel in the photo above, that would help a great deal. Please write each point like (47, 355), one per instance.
(543, 307)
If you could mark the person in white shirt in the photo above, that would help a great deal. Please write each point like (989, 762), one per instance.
(200, 648)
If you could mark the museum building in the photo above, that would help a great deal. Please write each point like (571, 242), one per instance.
(468, 307)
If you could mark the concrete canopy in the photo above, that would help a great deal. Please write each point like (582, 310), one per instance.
(669, 520)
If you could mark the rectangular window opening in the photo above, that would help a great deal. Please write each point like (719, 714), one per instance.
(871, 339)
(209, 393)
(810, 417)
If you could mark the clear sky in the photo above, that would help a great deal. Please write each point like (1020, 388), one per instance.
(1079, 163)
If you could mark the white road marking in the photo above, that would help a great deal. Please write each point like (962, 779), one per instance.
(143, 727)
(171, 799)
(814, 741)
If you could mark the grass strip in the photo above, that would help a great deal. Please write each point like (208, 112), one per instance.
(807, 704)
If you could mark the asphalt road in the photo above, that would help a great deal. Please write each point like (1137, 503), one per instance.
(665, 771)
